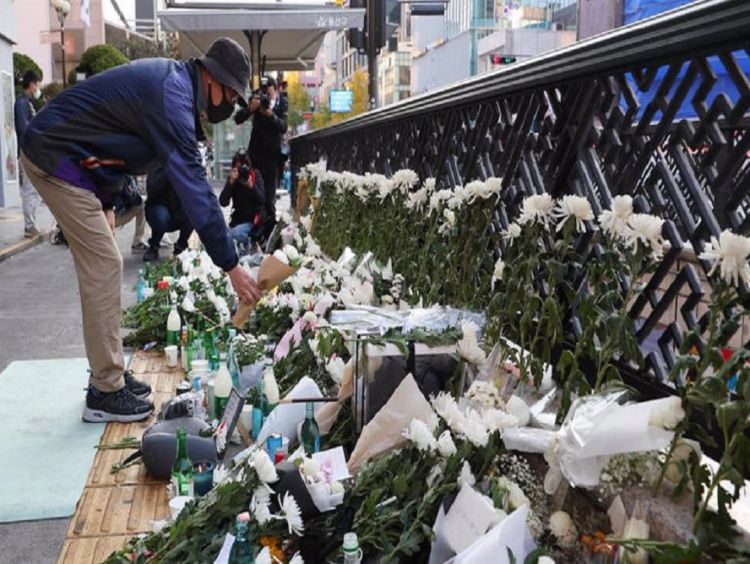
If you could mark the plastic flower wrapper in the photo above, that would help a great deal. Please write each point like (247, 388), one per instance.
(325, 492)
(385, 431)
(596, 428)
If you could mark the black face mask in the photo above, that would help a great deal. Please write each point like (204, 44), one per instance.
(220, 112)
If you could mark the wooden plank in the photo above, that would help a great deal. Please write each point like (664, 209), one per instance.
(115, 507)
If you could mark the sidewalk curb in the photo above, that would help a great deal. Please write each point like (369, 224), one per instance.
(21, 246)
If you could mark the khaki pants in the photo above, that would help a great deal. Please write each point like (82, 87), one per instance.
(99, 267)
(137, 213)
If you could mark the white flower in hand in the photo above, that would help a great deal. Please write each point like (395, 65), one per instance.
(281, 257)
(264, 467)
(730, 255)
(646, 230)
(537, 209)
(419, 433)
(498, 272)
(576, 207)
(564, 529)
(614, 222)
(445, 444)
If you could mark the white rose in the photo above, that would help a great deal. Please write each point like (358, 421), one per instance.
(518, 409)
(445, 444)
(291, 253)
(564, 529)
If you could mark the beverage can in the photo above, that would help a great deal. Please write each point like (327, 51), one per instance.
(197, 383)
(273, 444)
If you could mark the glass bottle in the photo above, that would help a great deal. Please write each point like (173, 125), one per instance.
(173, 326)
(182, 469)
(259, 408)
(310, 433)
(140, 286)
(234, 368)
(352, 552)
(214, 359)
(242, 552)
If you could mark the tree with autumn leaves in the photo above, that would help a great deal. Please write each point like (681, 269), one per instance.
(360, 103)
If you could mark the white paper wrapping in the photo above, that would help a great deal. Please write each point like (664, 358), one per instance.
(510, 534)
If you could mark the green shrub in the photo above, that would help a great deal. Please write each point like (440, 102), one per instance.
(99, 58)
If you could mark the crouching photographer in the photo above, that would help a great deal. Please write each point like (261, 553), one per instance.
(268, 111)
(245, 190)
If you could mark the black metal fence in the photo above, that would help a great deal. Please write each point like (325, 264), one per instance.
(657, 110)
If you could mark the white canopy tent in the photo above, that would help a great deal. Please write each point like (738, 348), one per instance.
(287, 34)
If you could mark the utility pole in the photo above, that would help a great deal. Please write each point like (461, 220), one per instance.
(372, 51)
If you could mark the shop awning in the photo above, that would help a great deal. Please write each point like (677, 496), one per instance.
(292, 32)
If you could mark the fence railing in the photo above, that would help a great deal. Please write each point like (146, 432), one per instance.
(657, 110)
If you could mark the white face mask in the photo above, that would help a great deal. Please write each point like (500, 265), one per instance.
(37, 93)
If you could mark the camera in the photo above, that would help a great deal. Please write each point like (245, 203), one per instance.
(244, 172)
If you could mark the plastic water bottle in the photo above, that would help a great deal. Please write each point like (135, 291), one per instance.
(140, 285)
(352, 552)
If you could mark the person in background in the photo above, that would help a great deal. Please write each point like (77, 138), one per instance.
(124, 121)
(268, 111)
(24, 112)
(244, 188)
(129, 207)
(164, 213)
(287, 178)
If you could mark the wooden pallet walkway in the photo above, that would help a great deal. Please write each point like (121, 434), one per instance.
(113, 508)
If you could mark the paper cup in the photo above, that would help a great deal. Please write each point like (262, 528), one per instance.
(176, 504)
(171, 354)
(200, 365)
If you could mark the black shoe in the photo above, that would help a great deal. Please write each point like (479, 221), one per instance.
(120, 406)
(152, 255)
(139, 389)
(139, 247)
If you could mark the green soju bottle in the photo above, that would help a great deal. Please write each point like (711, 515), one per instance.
(242, 552)
(214, 358)
(310, 433)
(182, 469)
(173, 326)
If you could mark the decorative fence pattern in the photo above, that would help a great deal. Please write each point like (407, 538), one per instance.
(657, 110)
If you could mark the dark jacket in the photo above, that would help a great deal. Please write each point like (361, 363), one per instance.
(23, 113)
(129, 120)
(159, 191)
(265, 139)
(246, 202)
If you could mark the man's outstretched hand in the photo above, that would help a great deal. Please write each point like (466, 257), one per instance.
(244, 284)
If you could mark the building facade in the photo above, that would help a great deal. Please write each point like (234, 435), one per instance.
(9, 193)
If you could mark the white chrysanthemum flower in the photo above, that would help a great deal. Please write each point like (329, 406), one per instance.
(729, 254)
(667, 413)
(419, 433)
(450, 218)
(187, 304)
(646, 230)
(310, 318)
(484, 394)
(493, 185)
(260, 507)
(468, 347)
(513, 232)
(448, 409)
(435, 471)
(291, 512)
(404, 179)
(306, 222)
(270, 387)
(264, 467)
(474, 429)
(537, 209)
(518, 409)
(429, 185)
(576, 207)
(466, 476)
(446, 446)
(497, 273)
(563, 528)
(614, 222)
(497, 419)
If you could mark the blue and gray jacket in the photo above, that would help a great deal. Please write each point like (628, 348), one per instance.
(127, 121)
